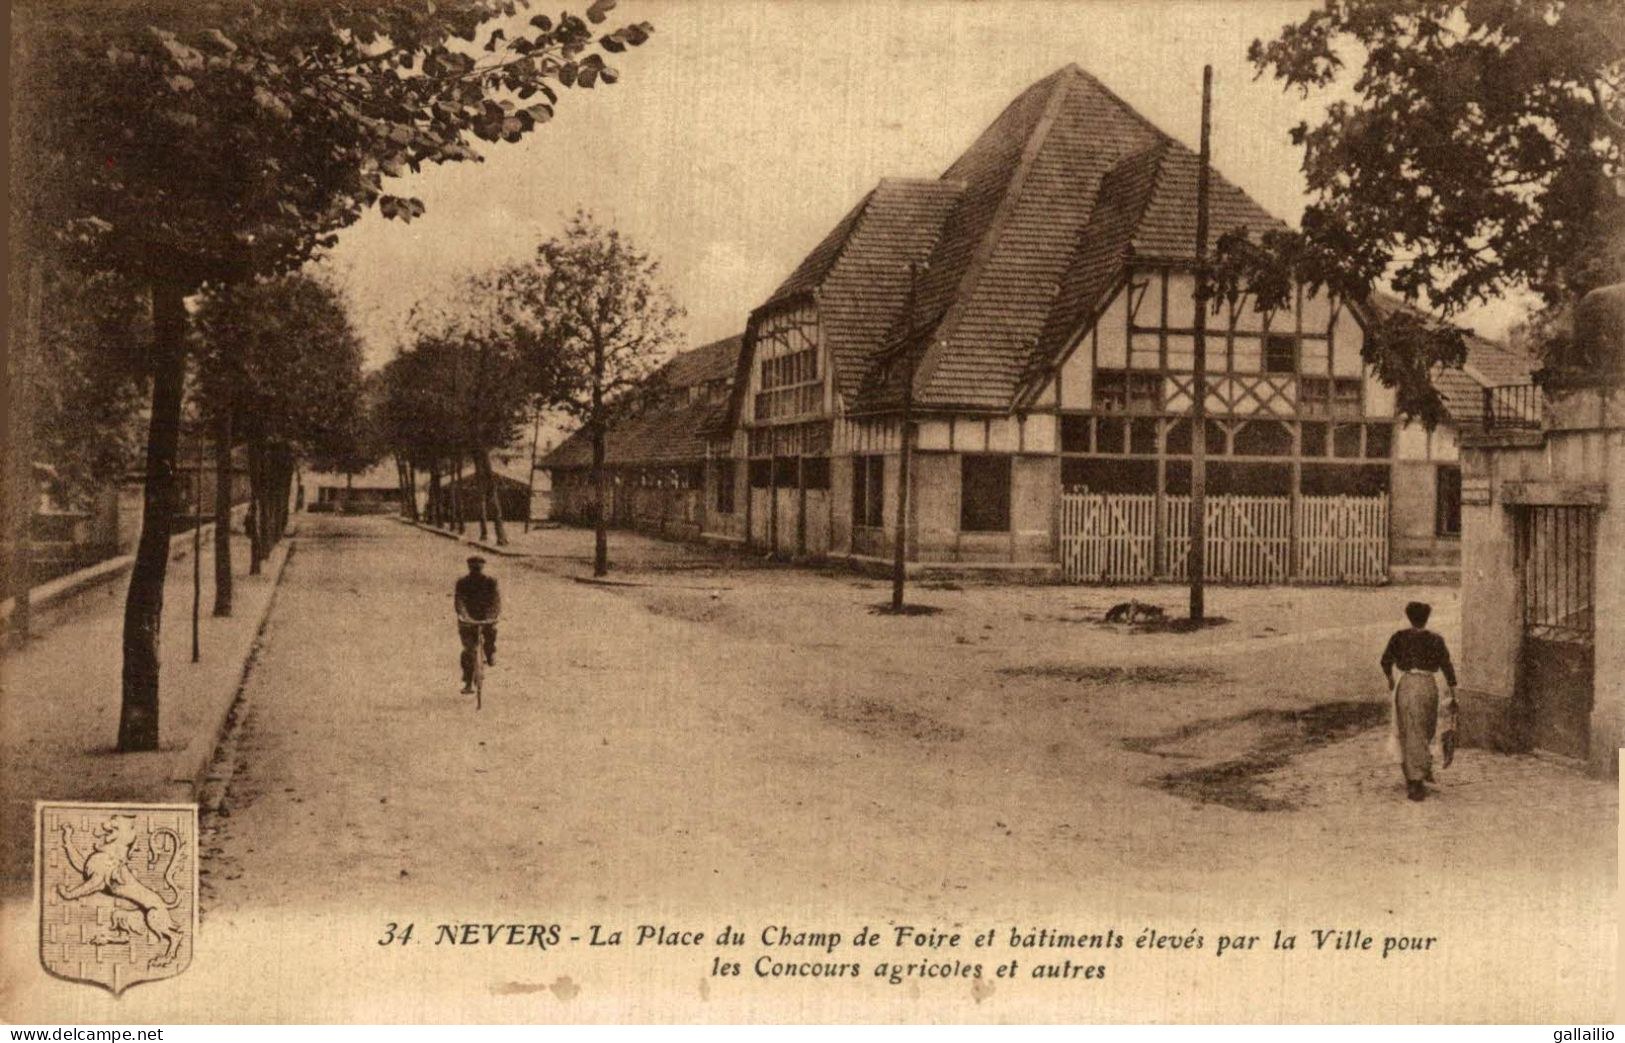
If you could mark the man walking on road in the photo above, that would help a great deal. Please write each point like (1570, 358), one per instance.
(1417, 653)
(479, 604)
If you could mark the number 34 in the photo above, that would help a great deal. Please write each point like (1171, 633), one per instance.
(394, 933)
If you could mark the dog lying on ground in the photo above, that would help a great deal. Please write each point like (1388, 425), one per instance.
(1134, 612)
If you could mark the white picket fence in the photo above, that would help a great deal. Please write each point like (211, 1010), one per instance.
(1114, 538)
(1109, 539)
(1343, 539)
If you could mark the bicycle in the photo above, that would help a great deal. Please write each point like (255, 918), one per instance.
(478, 680)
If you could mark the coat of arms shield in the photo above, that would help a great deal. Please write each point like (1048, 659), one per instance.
(117, 890)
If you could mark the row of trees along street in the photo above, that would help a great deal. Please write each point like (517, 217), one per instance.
(188, 147)
(177, 164)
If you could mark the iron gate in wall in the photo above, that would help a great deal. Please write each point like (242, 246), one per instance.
(1557, 661)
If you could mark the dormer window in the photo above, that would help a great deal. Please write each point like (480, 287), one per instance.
(788, 380)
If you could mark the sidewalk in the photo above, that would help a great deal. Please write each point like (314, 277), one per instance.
(59, 700)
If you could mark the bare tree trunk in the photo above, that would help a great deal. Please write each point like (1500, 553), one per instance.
(496, 509)
(530, 477)
(197, 544)
(222, 512)
(285, 488)
(256, 507)
(493, 495)
(482, 482)
(600, 481)
(20, 569)
(434, 493)
(457, 494)
(277, 501)
(410, 475)
(144, 603)
(600, 538)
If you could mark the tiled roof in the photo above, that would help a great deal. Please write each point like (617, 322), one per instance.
(1031, 184)
(1167, 231)
(714, 361)
(1059, 191)
(1024, 236)
(669, 428)
(1103, 248)
(861, 299)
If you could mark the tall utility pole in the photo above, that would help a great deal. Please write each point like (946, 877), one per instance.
(1198, 518)
(906, 440)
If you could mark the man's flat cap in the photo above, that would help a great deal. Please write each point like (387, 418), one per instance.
(475, 559)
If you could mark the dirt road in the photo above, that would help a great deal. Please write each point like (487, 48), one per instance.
(756, 749)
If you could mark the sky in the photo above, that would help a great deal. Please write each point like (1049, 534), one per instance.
(745, 129)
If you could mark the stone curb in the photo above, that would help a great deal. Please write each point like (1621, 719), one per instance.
(188, 778)
(60, 589)
(489, 548)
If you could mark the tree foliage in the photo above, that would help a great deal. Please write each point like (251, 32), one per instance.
(1480, 153)
(283, 357)
(594, 318)
(217, 139)
(592, 315)
(87, 364)
(462, 388)
(189, 143)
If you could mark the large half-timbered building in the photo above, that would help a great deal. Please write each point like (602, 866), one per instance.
(1032, 311)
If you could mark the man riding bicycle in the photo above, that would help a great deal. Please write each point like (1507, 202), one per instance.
(479, 604)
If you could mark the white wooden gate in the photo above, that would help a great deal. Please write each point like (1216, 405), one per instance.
(1249, 538)
(1108, 538)
(1343, 539)
(1113, 538)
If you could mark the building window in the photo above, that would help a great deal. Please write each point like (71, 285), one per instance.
(1144, 393)
(725, 472)
(1447, 501)
(1313, 438)
(1263, 438)
(788, 379)
(1346, 441)
(1379, 441)
(1109, 436)
(785, 471)
(1142, 436)
(1075, 433)
(1179, 438)
(1346, 398)
(1093, 475)
(1344, 479)
(1111, 391)
(761, 474)
(868, 491)
(984, 494)
(1117, 392)
(1280, 353)
(815, 472)
(1315, 396)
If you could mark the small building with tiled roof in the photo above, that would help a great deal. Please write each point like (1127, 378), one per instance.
(656, 451)
(1032, 308)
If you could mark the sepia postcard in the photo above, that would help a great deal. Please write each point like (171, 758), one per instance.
(825, 511)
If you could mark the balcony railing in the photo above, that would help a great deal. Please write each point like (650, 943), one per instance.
(1512, 406)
